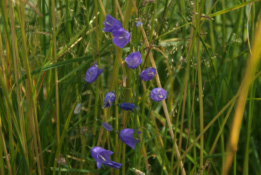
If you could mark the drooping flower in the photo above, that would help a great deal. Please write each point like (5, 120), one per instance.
(92, 73)
(148, 74)
(127, 106)
(102, 157)
(77, 108)
(126, 136)
(138, 24)
(133, 60)
(158, 94)
(107, 126)
(111, 24)
(109, 99)
(121, 37)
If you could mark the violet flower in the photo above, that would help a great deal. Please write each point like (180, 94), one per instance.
(127, 106)
(102, 157)
(133, 60)
(121, 37)
(111, 24)
(158, 94)
(92, 73)
(148, 74)
(138, 24)
(107, 126)
(108, 100)
(126, 136)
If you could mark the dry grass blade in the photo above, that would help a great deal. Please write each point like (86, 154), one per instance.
(243, 92)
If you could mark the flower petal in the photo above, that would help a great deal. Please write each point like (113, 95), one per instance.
(102, 157)
(127, 106)
(109, 99)
(92, 73)
(107, 126)
(126, 136)
(148, 74)
(111, 24)
(120, 37)
(158, 94)
(113, 164)
(133, 60)
(99, 164)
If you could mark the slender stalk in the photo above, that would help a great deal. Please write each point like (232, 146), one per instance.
(17, 76)
(57, 106)
(163, 102)
(30, 99)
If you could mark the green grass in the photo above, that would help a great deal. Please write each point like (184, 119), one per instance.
(207, 55)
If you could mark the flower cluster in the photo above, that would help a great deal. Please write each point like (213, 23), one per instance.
(121, 37)
(133, 60)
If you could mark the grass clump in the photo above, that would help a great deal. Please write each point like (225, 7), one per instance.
(196, 112)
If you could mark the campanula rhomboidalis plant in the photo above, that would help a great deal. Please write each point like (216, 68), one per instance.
(121, 37)
(102, 156)
(158, 94)
(93, 73)
(108, 100)
(111, 24)
(126, 136)
(57, 102)
(127, 106)
(148, 74)
(107, 126)
(133, 60)
(138, 24)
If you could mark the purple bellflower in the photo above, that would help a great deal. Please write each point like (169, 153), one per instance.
(138, 24)
(107, 126)
(126, 136)
(133, 60)
(121, 37)
(148, 74)
(127, 106)
(158, 94)
(111, 24)
(102, 157)
(108, 100)
(92, 73)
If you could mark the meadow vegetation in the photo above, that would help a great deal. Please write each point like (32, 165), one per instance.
(197, 113)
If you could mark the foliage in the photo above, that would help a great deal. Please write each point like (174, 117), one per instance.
(206, 55)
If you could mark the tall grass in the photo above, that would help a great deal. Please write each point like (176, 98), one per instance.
(207, 55)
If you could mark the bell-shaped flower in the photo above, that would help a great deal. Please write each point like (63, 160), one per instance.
(126, 136)
(77, 108)
(109, 99)
(121, 37)
(111, 24)
(92, 73)
(133, 60)
(107, 126)
(148, 74)
(102, 157)
(158, 94)
(127, 106)
(138, 24)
